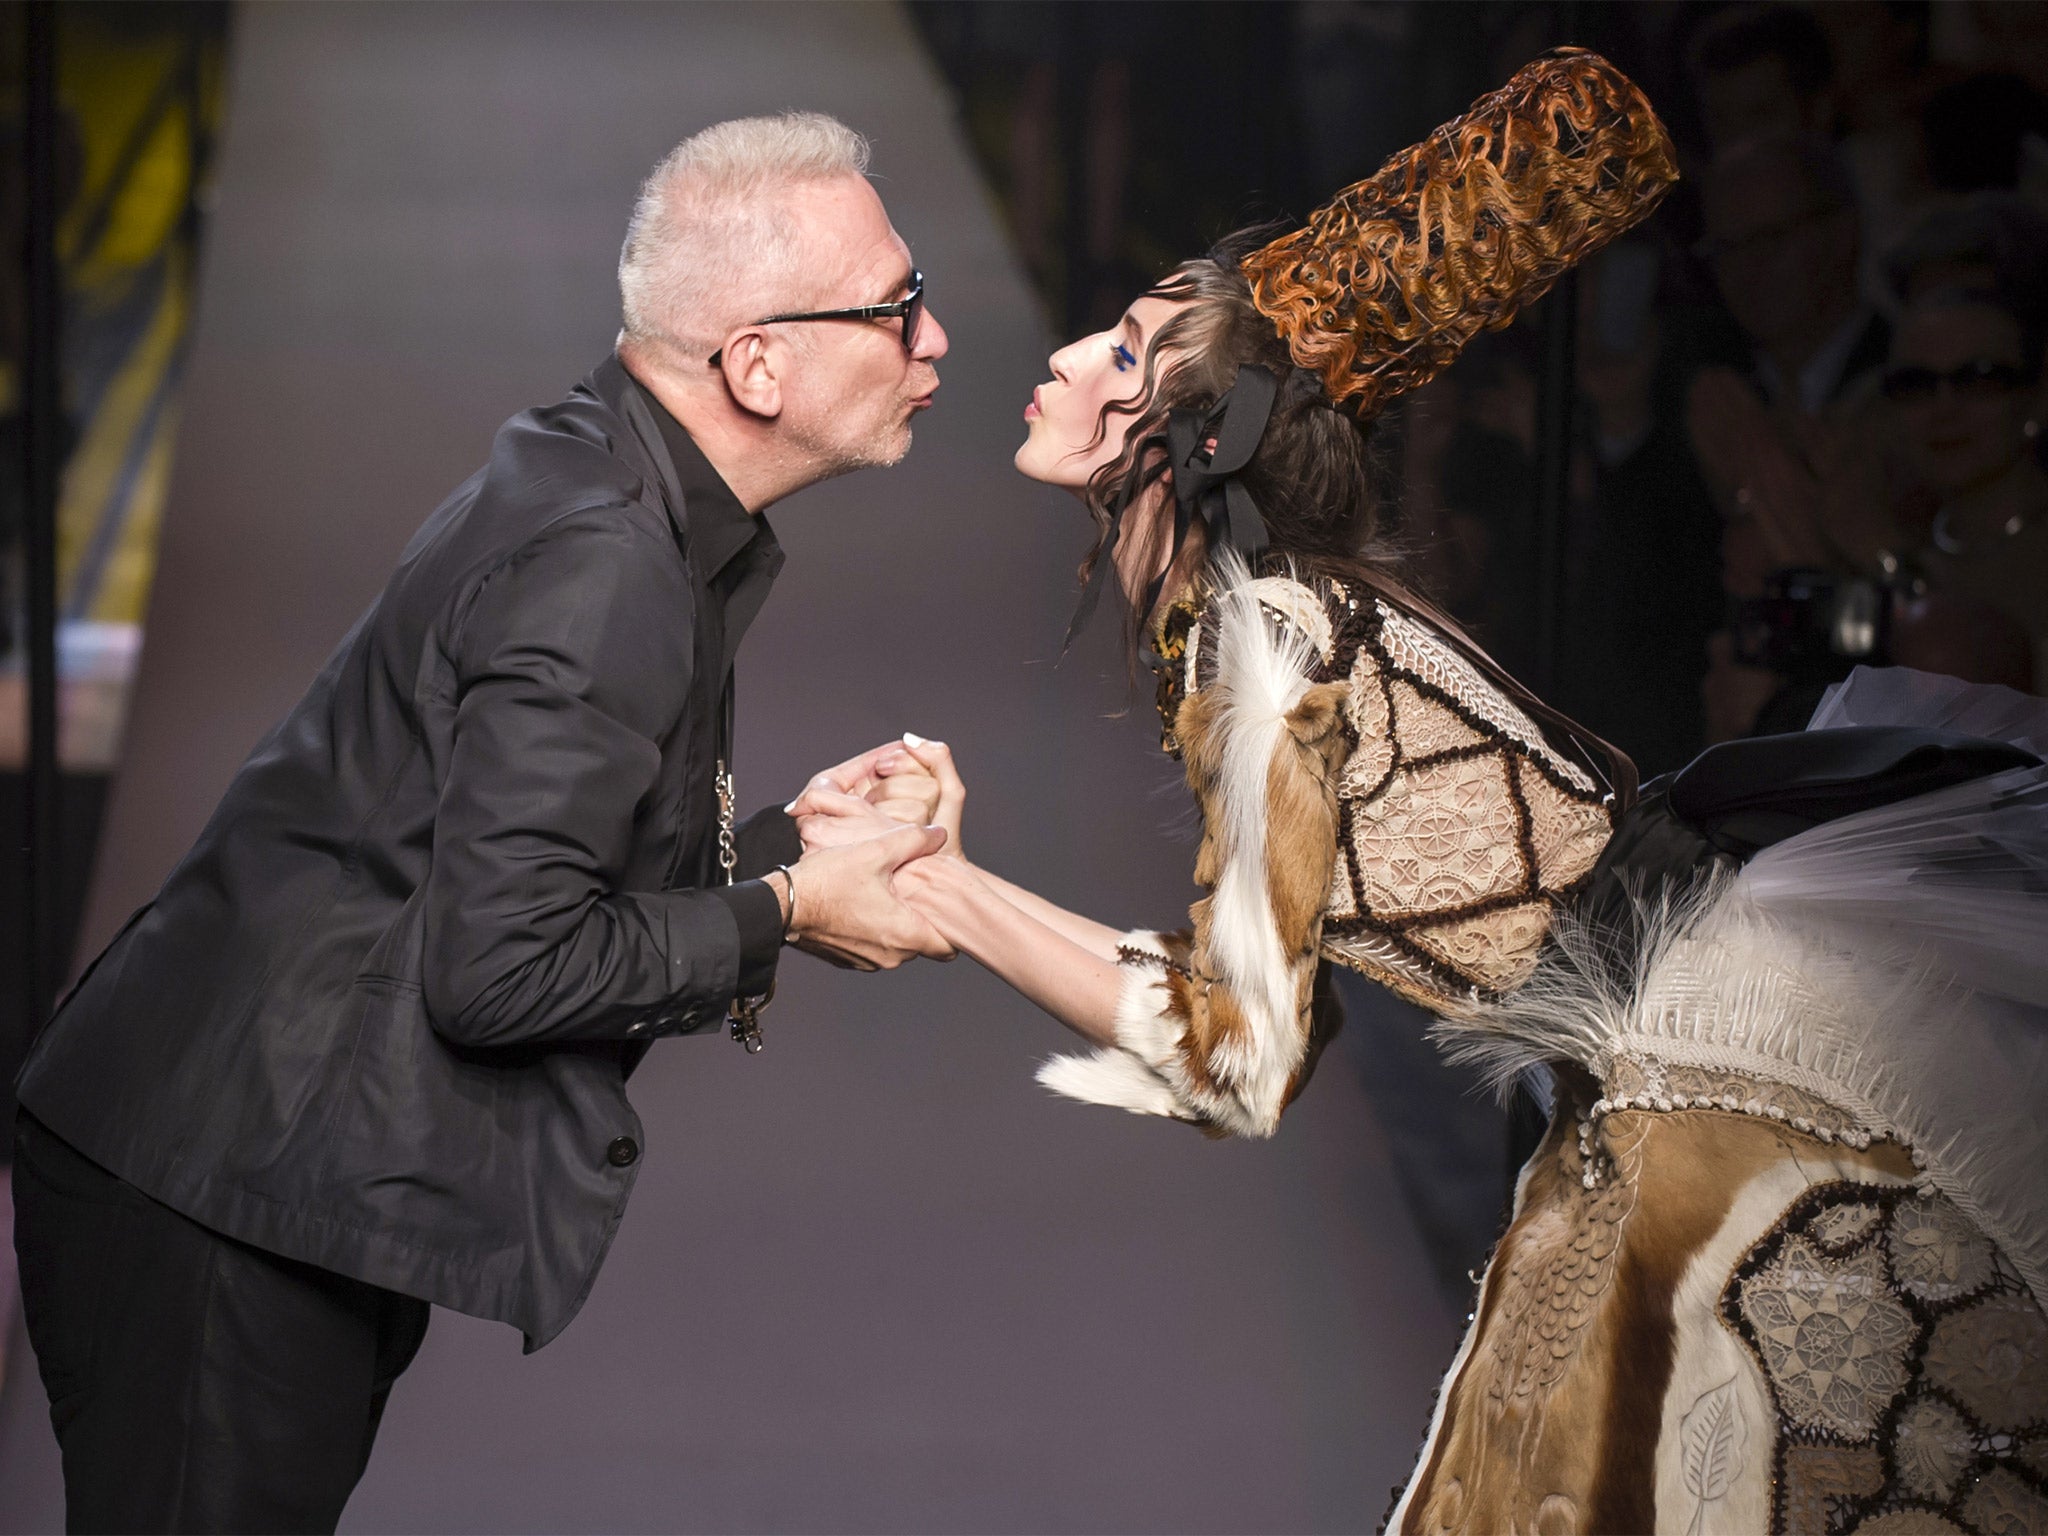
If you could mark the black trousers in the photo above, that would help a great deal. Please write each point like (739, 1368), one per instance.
(195, 1383)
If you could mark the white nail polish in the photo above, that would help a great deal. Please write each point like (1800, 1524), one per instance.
(912, 739)
(789, 809)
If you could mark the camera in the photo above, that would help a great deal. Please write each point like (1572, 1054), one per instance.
(1813, 626)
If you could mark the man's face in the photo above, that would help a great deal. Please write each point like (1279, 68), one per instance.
(1781, 255)
(853, 387)
(1754, 100)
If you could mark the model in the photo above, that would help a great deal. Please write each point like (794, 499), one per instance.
(1779, 1263)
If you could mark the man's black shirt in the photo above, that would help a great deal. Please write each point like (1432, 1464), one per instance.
(739, 558)
(381, 1016)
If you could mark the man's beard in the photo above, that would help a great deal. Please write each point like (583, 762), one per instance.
(884, 445)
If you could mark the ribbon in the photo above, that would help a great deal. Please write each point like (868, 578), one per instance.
(1206, 451)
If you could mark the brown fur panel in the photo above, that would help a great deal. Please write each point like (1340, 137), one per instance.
(1301, 825)
(1301, 850)
(1201, 750)
(1217, 1018)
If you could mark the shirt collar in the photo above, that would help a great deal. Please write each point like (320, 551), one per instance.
(719, 527)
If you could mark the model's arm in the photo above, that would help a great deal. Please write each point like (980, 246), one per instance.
(838, 806)
(1221, 1024)
(1040, 955)
(1099, 940)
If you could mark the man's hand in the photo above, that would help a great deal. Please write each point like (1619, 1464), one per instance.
(845, 911)
(886, 777)
(827, 818)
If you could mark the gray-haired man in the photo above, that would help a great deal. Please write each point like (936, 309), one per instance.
(367, 1048)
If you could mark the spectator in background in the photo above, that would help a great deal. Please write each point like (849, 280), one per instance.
(1783, 241)
(1761, 70)
(1964, 396)
(1642, 591)
(1787, 450)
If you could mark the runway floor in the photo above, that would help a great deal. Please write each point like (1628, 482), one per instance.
(875, 1279)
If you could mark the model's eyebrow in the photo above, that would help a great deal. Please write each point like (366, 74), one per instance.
(1129, 326)
(903, 283)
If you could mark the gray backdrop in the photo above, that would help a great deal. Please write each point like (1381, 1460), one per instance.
(874, 1279)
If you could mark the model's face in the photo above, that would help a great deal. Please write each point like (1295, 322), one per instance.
(1061, 447)
(1962, 392)
(855, 389)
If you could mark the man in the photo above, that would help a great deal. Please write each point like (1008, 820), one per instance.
(1761, 69)
(367, 1049)
(1784, 242)
(1786, 450)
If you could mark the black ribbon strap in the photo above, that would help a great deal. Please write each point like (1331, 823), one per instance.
(1206, 451)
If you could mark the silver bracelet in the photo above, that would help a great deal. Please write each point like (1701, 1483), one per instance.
(789, 926)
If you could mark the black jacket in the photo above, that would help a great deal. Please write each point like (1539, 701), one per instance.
(380, 1018)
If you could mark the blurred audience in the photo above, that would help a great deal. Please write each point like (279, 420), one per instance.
(1964, 406)
(1786, 445)
(1761, 69)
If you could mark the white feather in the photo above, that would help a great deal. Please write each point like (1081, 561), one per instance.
(1720, 980)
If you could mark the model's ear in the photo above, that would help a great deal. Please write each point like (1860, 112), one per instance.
(752, 374)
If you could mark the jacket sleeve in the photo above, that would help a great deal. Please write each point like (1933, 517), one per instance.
(1220, 1024)
(573, 661)
(765, 839)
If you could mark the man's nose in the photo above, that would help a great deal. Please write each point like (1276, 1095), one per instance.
(931, 339)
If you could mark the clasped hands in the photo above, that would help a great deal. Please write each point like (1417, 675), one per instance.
(861, 894)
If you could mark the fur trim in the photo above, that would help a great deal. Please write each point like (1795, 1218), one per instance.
(1218, 1031)
(1136, 1075)
(1115, 1078)
(1717, 980)
(1263, 671)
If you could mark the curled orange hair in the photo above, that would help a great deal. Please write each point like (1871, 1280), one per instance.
(1390, 278)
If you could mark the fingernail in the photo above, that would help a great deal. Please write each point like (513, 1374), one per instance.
(789, 809)
(912, 739)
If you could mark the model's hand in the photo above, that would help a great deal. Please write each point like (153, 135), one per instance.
(918, 763)
(846, 912)
(895, 784)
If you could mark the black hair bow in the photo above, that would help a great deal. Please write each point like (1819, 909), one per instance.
(1206, 451)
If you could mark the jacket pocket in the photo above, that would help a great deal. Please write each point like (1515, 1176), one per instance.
(416, 1138)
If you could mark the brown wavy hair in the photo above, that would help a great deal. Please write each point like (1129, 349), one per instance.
(1312, 476)
(1390, 279)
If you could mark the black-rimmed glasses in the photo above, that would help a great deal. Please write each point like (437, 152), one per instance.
(910, 308)
(1972, 381)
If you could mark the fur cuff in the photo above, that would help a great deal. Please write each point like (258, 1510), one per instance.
(1130, 1076)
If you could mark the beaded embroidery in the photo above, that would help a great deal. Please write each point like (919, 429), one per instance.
(1908, 1366)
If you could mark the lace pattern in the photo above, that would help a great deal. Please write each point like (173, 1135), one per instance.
(1908, 1366)
(1460, 828)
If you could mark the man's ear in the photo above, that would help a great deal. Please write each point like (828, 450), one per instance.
(751, 376)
